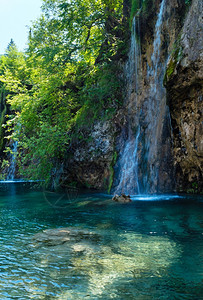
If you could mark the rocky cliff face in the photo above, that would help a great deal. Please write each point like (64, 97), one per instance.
(90, 162)
(145, 162)
(184, 79)
(168, 149)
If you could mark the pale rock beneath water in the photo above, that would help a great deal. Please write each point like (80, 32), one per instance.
(60, 236)
(122, 198)
(104, 262)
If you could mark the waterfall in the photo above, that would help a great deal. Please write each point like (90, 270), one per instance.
(128, 181)
(156, 112)
(12, 167)
(141, 141)
(155, 58)
(128, 160)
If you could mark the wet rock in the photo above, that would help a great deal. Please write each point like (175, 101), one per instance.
(122, 198)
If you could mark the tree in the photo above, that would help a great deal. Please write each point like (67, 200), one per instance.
(66, 74)
(11, 45)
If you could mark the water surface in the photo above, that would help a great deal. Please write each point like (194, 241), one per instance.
(151, 248)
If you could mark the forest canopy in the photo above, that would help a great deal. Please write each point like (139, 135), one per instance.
(67, 78)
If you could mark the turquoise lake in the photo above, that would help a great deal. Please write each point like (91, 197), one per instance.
(151, 248)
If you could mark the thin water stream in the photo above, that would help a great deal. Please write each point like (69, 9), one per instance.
(12, 167)
(148, 249)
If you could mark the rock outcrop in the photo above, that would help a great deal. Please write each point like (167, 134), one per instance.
(148, 126)
(174, 162)
(90, 162)
(122, 198)
(184, 83)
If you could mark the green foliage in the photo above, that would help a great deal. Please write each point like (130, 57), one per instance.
(4, 165)
(2, 115)
(101, 96)
(2, 120)
(194, 189)
(65, 81)
(114, 159)
(38, 154)
(11, 45)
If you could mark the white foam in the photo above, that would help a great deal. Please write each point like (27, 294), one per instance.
(154, 197)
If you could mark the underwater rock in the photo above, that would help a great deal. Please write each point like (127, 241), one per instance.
(122, 198)
(59, 236)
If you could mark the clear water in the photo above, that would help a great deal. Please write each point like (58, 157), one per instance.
(151, 248)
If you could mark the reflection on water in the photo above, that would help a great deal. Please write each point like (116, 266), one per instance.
(146, 249)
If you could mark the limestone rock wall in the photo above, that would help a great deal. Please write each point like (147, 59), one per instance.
(184, 84)
(181, 152)
(89, 162)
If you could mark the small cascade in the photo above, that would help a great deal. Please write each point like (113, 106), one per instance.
(155, 58)
(127, 164)
(129, 182)
(12, 167)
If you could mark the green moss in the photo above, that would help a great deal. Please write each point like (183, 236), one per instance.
(143, 7)
(111, 179)
(147, 5)
(169, 71)
(135, 6)
(176, 56)
(171, 68)
(114, 159)
(188, 2)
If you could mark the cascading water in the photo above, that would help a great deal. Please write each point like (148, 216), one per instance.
(128, 161)
(155, 113)
(12, 167)
(140, 144)
(129, 182)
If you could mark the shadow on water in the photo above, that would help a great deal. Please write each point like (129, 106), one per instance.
(146, 249)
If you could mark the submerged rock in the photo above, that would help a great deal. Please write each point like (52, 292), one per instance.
(122, 198)
(59, 236)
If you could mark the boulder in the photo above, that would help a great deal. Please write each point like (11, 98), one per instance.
(60, 236)
(122, 198)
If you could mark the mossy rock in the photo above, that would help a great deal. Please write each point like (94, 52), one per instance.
(176, 56)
